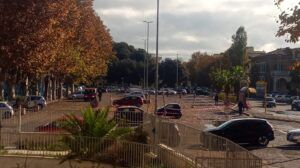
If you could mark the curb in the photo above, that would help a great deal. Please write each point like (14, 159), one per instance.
(270, 117)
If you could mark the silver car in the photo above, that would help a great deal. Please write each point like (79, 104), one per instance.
(77, 95)
(6, 110)
(32, 101)
(293, 136)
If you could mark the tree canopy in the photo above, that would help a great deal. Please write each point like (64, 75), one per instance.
(289, 21)
(65, 39)
(237, 52)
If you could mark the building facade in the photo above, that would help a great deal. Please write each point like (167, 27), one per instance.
(273, 67)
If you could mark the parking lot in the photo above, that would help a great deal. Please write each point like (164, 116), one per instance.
(199, 113)
(279, 153)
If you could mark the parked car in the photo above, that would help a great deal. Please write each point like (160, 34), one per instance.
(6, 110)
(129, 115)
(280, 98)
(129, 101)
(32, 101)
(292, 99)
(270, 102)
(183, 91)
(200, 91)
(171, 92)
(172, 109)
(296, 105)
(162, 91)
(246, 131)
(90, 94)
(136, 93)
(293, 136)
(287, 98)
(77, 95)
(54, 126)
(150, 91)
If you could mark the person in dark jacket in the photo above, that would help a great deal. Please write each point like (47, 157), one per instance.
(216, 98)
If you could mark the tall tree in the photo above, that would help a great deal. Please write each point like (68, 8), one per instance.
(199, 67)
(237, 52)
(168, 73)
(289, 21)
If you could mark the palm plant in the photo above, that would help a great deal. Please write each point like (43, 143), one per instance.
(91, 134)
(222, 79)
(238, 75)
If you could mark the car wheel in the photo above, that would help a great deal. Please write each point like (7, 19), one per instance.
(178, 116)
(263, 141)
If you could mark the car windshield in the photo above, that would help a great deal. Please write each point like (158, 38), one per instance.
(225, 124)
(89, 91)
(35, 98)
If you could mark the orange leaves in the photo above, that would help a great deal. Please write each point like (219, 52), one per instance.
(65, 38)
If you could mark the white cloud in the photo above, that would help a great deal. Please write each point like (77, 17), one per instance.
(187, 26)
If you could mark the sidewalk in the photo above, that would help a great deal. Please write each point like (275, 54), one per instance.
(274, 116)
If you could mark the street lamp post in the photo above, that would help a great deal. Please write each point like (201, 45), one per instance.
(147, 60)
(156, 59)
(177, 73)
(145, 46)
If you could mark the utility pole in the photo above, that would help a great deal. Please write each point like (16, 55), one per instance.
(156, 60)
(177, 84)
(147, 50)
(145, 46)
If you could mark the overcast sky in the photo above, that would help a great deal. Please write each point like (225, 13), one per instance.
(187, 26)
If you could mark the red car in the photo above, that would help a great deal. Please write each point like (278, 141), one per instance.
(129, 101)
(53, 126)
(90, 94)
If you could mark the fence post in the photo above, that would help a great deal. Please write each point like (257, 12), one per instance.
(20, 119)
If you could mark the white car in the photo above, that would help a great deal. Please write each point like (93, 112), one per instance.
(171, 92)
(6, 110)
(293, 136)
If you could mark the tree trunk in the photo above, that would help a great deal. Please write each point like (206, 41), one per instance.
(1, 91)
(67, 90)
(46, 83)
(11, 90)
(60, 93)
(73, 88)
(26, 87)
(50, 88)
(54, 88)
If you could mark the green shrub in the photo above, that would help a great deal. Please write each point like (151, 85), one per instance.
(232, 98)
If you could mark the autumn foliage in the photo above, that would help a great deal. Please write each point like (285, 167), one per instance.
(64, 40)
(289, 21)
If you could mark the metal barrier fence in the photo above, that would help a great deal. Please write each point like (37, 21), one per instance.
(115, 152)
(182, 144)
(195, 144)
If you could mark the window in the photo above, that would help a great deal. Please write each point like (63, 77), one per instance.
(2, 105)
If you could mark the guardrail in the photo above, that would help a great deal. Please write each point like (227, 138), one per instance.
(115, 152)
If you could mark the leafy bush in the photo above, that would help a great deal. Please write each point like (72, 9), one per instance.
(232, 98)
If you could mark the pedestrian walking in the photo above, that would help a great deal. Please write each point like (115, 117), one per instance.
(216, 98)
(241, 107)
(99, 94)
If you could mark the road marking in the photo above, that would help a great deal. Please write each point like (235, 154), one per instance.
(281, 131)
